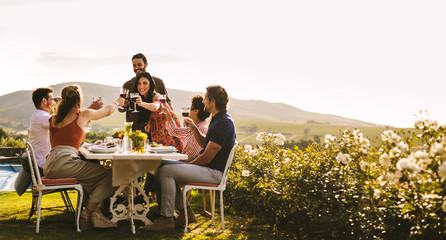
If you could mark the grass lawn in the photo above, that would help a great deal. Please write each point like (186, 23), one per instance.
(57, 224)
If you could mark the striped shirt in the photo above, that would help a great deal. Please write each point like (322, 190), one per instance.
(190, 145)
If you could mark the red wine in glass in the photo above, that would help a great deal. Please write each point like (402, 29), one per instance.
(123, 95)
(185, 114)
(133, 97)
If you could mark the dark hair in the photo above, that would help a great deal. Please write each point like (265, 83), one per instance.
(219, 94)
(144, 112)
(197, 103)
(151, 93)
(39, 94)
(140, 55)
(71, 96)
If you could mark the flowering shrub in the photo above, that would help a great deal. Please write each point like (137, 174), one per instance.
(11, 142)
(346, 189)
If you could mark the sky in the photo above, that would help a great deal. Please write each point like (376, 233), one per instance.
(375, 61)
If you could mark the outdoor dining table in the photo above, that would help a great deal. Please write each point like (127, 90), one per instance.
(126, 170)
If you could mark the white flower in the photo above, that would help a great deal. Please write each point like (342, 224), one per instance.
(408, 164)
(248, 148)
(364, 142)
(261, 137)
(422, 155)
(286, 160)
(390, 136)
(343, 158)
(376, 193)
(443, 206)
(437, 149)
(329, 138)
(403, 146)
(384, 160)
(433, 124)
(245, 173)
(363, 150)
(252, 152)
(389, 177)
(394, 152)
(279, 138)
(363, 165)
(419, 123)
(442, 170)
(383, 179)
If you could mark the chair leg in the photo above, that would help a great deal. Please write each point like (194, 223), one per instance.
(39, 207)
(33, 207)
(188, 196)
(212, 197)
(222, 211)
(203, 194)
(185, 209)
(80, 195)
(68, 204)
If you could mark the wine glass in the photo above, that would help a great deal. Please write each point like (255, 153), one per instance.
(133, 97)
(124, 93)
(185, 111)
(162, 99)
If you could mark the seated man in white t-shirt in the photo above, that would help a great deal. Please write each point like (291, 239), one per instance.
(39, 133)
(38, 130)
(39, 136)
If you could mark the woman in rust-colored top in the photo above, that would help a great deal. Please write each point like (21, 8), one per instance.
(66, 135)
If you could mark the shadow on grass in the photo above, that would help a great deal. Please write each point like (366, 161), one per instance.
(55, 224)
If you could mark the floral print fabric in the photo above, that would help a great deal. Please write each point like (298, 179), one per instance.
(158, 131)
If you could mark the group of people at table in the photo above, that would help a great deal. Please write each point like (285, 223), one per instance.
(57, 131)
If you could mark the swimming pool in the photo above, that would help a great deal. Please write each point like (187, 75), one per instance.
(8, 175)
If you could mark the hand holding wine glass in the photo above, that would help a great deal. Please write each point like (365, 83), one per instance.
(124, 93)
(189, 123)
(162, 98)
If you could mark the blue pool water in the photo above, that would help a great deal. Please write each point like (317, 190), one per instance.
(8, 173)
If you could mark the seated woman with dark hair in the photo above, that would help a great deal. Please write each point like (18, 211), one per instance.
(198, 116)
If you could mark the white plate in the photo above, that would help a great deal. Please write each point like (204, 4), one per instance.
(163, 149)
(102, 149)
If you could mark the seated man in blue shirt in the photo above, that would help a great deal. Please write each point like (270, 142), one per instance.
(208, 167)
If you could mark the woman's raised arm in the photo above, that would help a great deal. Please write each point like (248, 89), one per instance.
(90, 114)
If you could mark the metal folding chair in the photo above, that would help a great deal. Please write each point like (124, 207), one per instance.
(42, 185)
(212, 188)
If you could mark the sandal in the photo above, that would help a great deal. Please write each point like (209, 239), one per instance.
(85, 220)
(98, 220)
(85, 215)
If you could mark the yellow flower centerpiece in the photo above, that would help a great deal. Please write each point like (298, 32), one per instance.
(138, 140)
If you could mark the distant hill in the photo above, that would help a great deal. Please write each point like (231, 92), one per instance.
(16, 108)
